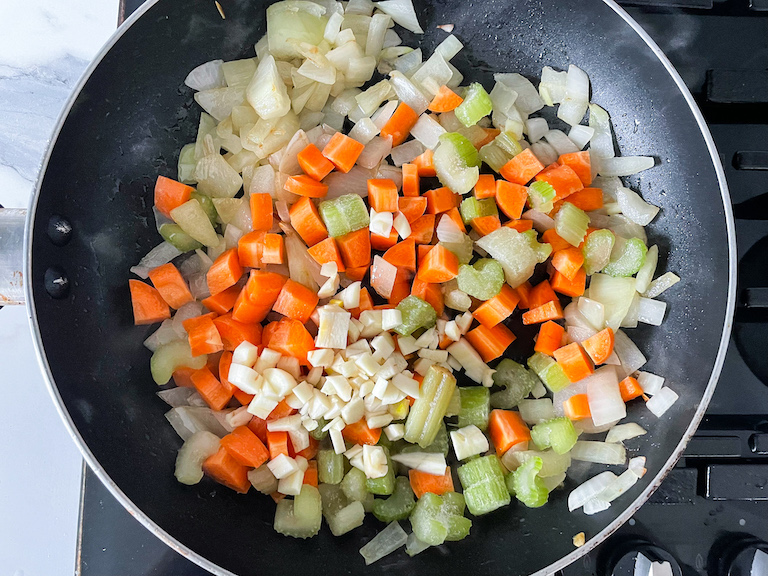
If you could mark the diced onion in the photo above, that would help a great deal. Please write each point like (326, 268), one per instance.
(206, 76)
(536, 128)
(541, 222)
(662, 401)
(589, 489)
(629, 354)
(576, 99)
(406, 152)
(176, 397)
(599, 452)
(634, 207)
(619, 486)
(596, 505)
(560, 142)
(393, 536)
(427, 131)
(647, 270)
(528, 99)
(623, 165)
(661, 284)
(159, 255)
(605, 402)
(581, 135)
(449, 231)
(429, 463)
(624, 432)
(403, 13)
(408, 93)
(601, 144)
(650, 383)
(373, 153)
(383, 276)
(544, 152)
(651, 311)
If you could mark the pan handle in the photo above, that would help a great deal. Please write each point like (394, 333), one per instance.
(12, 256)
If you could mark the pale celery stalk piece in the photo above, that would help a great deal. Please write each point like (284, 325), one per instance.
(475, 406)
(515, 252)
(517, 382)
(228, 208)
(302, 516)
(341, 514)
(528, 487)
(208, 206)
(477, 103)
(195, 222)
(344, 214)
(484, 487)
(169, 357)
(549, 371)
(429, 409)
(571, 224)
(553, 464)
(464, 250)
(192, 454)
(508, 143)
(541, 195)
(174, 235)
(330, 467)
(494, 155)
(597, 250)
(457, 163)
(187, 163)
(437, 519)
(483, 280)
(472, 208)
(558, 434)
(416, 313)
(627, 257)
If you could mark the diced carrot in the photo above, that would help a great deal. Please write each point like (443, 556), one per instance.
(630, 389)
(574, 361)
(549, 311)
(572, 288)
(580, 163)
(314, 163)
(210, 389)
(245, 447)
(455, 215)
(412, 207)
(225, 272)
(562, 178)
(519, 225)
(402, 255)
(439, 265)
(234, 333)
(274, 249)
(327, 251)
(222, 302)
(306, 220)
(553, 239)
(550, 338)
(523, 291)
(343, 151)
(485, 186)
(359, 433)
(382, 195)
(441, 200)
(259, 427)
(171, 285)
(170, 194)
(490, 343)
(402, 286)
(290, 338)
(246, 311)
(541, 294)
(257, 297)
(522, 168)
(432, 294)
(282, 410)
(310, 474)
(506, 429)
(227, 471)
(444, 101)
(296, 301)
(182, 376)
(422, 482)
(421, 251)
(212, 361)
(148, 305)
(250, 248)
(355, 248)
(490, 136)
(600, 346)
(192, 323)
(498, 308)
(383, 243)
(277, 443)
(422, 229)
(204, 338)
(303, 185)
(261, 211)
(366, 303)
(310, 451)
(426, 164)
(568, 262)
(356, 273)
(411, 182)
(484, 225)
(398, 127)
(225, 361)
(511, 198)
(577, 407)
(587, 199)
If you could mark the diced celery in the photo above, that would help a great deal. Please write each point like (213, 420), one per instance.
(597, 250)
(207, 204)
(527, 485)
(228, 208)
(168, 357)
(330, 466)
(472, 208)
(385, 485)
(475, 406)
(483, 280)
(515, 253)
(517, 382)
(440, 445)
(541, 196)
(341, 514)
(493, 155)
(508, 143)
(549, 371)
(457, 162)
(428, 410)
(437, 519)
(302, 516)
(477, 103)
(194, 221)
(553, 464)
(353, 485)
(416, 313)
(508, 480)
(484, 486)
(399, 505)
(542, 250)
(627, 257)
(464, 250)
(187, 164)
(558, 433)
(571, 224)
(344, 214)
(318, 433)
(174, 235)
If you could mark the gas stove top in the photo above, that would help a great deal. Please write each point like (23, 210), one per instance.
(710, 515)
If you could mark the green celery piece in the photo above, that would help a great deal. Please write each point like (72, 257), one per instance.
(571, 224)
(440, 445)
(168, 357)
(472, 208)
(330, 466)
(541, 196)
(183, 242)
(464, 250)
(428, 410)
(344, 214)
(517, 382)
(627, 258)
(527, 486)
(542, 250)
(597, 250)
(353, 485)
(553, 464)
(341, 514)
(477, 103)
(333, 498)
(483, 280)
(510, 486)
(318, 433)
(484, 486)
(514, 252)
(399, 505)
(494, 156)
(385, 485)
(187, 164)
(207, 204)
(416, 313)
(437, 519)
(549, 371)
(558, 433)
(508, 143)
(456, 162)
(300, 517)
(194, 221)
(475, 406)
(333, 218)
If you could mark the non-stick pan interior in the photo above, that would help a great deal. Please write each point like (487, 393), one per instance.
(126, 127)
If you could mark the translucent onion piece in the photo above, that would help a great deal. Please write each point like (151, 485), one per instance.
(266, 92)
(624, 432)
(449, 231)
(635, 208)
(382, 116)
(581, 135)
(393, 536)
(544, 152)
(615, 294)
(373, 153)
(661, 284)
(383, 276)
(647, 270)
(528, 99)
(576, 99)
(364, 131)
(552, 86)
(599, 452)
(303, 268)
(662, 401)
(650, 383)
(186, 420)
(407, 92)
(407, 63)
(176, 397)
(164, 334)
(560, 142)
(536, 128)
(407, 152)
(206, 76)
(592, 311)
(159, 255)
(621, 485)
(541, 222)
(376, 32)
(589, 489)
(433, 74)
(623, 165)
(604, 397)
(601, 144)
(503, 98)
(624, 227)
(596, 505)
(402, 12)
(427, 131)
(651, 311)
(629, 354)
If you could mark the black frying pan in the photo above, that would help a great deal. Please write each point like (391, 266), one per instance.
(128, 119)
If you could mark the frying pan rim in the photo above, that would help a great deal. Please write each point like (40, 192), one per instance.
(193, 556)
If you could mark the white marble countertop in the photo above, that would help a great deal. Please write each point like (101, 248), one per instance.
(44, 48)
